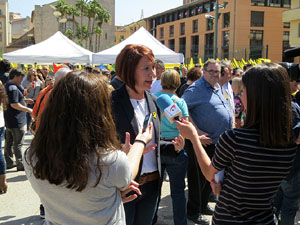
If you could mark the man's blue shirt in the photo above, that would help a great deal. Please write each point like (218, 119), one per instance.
(208, 108)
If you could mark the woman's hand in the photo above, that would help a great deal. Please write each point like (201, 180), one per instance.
(215, 187)
(132, 187)
(178, 143)
(205, 140)
(144, 137)
(187, 129)
(147, 135)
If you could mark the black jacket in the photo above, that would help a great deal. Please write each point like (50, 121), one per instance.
(125, 119)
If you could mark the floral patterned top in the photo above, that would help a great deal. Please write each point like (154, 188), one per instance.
(239, 109)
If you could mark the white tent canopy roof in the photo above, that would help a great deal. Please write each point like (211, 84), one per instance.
(56, 49)
(140, 37)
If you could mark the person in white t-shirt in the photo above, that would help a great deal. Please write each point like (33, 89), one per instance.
(74, 162)
(160, 68)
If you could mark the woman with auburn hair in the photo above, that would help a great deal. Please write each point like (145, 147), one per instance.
(74, 162)
(256, 157)
(192, 75)
(131, 102)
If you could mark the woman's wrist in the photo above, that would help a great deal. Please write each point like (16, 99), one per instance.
(140, 141)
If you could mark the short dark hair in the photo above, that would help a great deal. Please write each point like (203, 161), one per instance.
(127, 61)
(194, 74)
(269, 104)
(15, 73)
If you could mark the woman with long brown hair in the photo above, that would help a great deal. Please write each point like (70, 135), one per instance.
(74, 162)
(256, 157)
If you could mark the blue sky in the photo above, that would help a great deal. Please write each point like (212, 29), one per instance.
(127, 11)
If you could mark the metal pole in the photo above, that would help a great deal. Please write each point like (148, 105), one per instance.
(234, 17)
(216, 30)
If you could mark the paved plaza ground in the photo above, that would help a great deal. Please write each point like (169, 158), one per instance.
(20, 205)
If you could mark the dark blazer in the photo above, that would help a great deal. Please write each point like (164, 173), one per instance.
(125, 119)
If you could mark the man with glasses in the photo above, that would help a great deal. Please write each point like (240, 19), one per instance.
(210, 112)
(15, 119)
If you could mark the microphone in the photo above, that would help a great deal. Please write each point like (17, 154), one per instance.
(171, 109)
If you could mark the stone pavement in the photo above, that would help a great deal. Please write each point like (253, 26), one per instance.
(20, 205)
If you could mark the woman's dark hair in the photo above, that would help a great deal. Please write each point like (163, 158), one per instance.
(76, 129)
(3, 96)
(269, 104)
(127, 61)
(194, 74)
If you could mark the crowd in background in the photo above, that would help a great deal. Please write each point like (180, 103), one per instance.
(232, 120)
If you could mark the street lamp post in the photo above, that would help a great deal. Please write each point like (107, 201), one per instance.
(216, 18)
(216, 30)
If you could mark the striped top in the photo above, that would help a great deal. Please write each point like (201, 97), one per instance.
(252, 177)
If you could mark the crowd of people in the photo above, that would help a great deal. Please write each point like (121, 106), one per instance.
(101, 164)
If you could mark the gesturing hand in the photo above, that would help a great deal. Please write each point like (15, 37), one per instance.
(178, 143)
(187, 129)
(132, 187)
(145, 137)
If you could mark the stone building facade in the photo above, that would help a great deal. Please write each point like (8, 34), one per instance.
(5, 28)
(46, 24)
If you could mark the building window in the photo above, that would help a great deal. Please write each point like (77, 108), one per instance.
(172, 44)
(209, 24)
(256, 43)
(286, 25)
(161, 32)
(206, 7)
(286, 40)
(274, 3)
(0, 36)
(195, 26)
(209, 46)
(226, 19)
(171, 31)
(286, 3)
(182, 45)
(225, 47)
(195, 47)
(0, 25)
(258, 2)
(0, 12)
(163, 42)
(257, 19)
(182, 28)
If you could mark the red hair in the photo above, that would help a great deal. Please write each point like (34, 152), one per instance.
(127, 61)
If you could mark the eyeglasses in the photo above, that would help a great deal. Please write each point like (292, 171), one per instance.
(212, 72)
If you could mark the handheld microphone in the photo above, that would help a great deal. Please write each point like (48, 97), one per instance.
(171, 109)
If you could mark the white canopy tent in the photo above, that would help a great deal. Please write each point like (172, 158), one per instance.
(56, 49)
(140, 37)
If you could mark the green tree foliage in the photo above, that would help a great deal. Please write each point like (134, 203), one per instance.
(87, 30)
